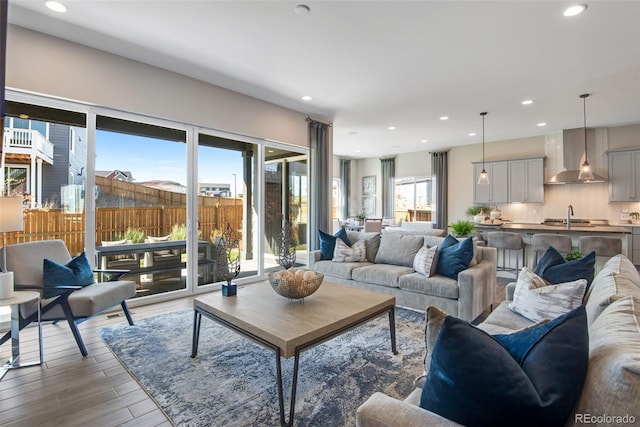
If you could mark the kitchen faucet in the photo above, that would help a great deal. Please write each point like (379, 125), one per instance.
(569, 214)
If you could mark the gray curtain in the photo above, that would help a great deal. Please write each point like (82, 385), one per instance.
(320, 162)
(440, 171)
(345, 187)
(388, 168)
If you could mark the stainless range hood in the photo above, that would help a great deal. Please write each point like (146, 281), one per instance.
(573, 156)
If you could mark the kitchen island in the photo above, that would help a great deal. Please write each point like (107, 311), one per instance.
(528, 229)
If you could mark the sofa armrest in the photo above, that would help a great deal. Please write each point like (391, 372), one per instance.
(381, 410)
(314, 256)
(509, 290)
(477, 286)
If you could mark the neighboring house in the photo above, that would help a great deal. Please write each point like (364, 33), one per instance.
(214, 189)
(165, 185)
(116, 174)
(43, 162)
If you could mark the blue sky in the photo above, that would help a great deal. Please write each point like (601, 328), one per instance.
(149, 159)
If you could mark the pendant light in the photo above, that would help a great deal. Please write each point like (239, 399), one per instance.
(585, 168)
(484, 176)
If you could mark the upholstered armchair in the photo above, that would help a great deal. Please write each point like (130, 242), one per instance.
(71, 302)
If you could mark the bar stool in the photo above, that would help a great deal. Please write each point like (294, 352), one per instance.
(507, 243)
(541, 241)
(601, 245)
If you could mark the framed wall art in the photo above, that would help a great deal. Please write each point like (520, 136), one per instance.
(369, 185)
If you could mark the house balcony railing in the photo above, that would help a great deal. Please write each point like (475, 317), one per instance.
(26, 141)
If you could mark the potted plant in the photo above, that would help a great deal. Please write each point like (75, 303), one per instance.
(462, 228)
(360, 217)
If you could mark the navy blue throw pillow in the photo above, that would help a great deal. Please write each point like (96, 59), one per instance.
(454, 257)
(77, 272)
(328, 243)
(529, 378)
(550, 258)
(555, 269)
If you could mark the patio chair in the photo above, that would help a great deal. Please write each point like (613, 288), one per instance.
(74, 304)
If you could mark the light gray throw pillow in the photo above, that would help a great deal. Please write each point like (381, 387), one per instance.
(398, 249)
(535, 300)
(355, 253)
(426, 261)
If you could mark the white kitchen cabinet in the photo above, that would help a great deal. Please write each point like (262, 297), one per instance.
(497, 190)
(624, 176)
(526, 180)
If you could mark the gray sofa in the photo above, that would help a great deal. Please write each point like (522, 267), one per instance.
(613, 376)
(389, 270)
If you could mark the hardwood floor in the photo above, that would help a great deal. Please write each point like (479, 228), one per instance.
(71, 390)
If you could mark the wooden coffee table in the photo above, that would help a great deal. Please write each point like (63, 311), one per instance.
(289, 327)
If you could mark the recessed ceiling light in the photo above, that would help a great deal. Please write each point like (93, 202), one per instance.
(424, 141)
(542, 124)
(302, 9)
(352, 132)
(23, 116)
(472, 134)
(270, 151)
(527, 102)
(575, 10)
(56, 6)
(444, 118)
(357, 151)
(307, 98)
(391, 128)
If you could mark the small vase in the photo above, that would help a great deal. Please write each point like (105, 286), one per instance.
(229, 289)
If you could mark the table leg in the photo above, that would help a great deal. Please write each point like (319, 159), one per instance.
(392, 329)
(197, 319)
(294, 385)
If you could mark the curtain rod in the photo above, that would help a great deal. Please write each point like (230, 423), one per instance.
(309, 119)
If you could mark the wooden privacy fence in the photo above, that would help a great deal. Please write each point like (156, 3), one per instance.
(111, 223)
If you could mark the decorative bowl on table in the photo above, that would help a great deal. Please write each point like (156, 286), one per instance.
(295, 286)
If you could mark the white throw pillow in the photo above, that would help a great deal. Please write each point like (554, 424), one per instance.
(536, 300)
(426, 261)
(355, 253)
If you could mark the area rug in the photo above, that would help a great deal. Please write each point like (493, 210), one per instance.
(232, 381)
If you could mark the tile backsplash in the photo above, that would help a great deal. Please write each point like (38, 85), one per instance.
(589, 201)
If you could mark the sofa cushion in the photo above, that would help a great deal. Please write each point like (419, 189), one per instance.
(341, 270)
(77, 272)
(553, 268)
(613, 378)
(617, 279)
(503, 320)
(437, 285)
(355, 253)
(372, 241)
(426, 261)
(533, 379)
(535, 301)
(454, 256)
(328, 242)
(398, 249)
(380, 274)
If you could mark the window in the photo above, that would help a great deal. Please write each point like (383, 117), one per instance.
(414, 199)
(335, 199)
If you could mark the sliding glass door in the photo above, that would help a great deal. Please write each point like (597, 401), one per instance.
(286, 202)
(140, 203)
(226, 203)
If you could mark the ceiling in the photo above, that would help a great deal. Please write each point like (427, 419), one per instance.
(373, 64)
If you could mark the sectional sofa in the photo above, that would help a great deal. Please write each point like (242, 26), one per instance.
(610, 392)
(389, 270)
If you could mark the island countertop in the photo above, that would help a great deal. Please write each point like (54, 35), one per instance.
(524, 226)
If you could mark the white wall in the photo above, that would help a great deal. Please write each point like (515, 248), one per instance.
(48, 65)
